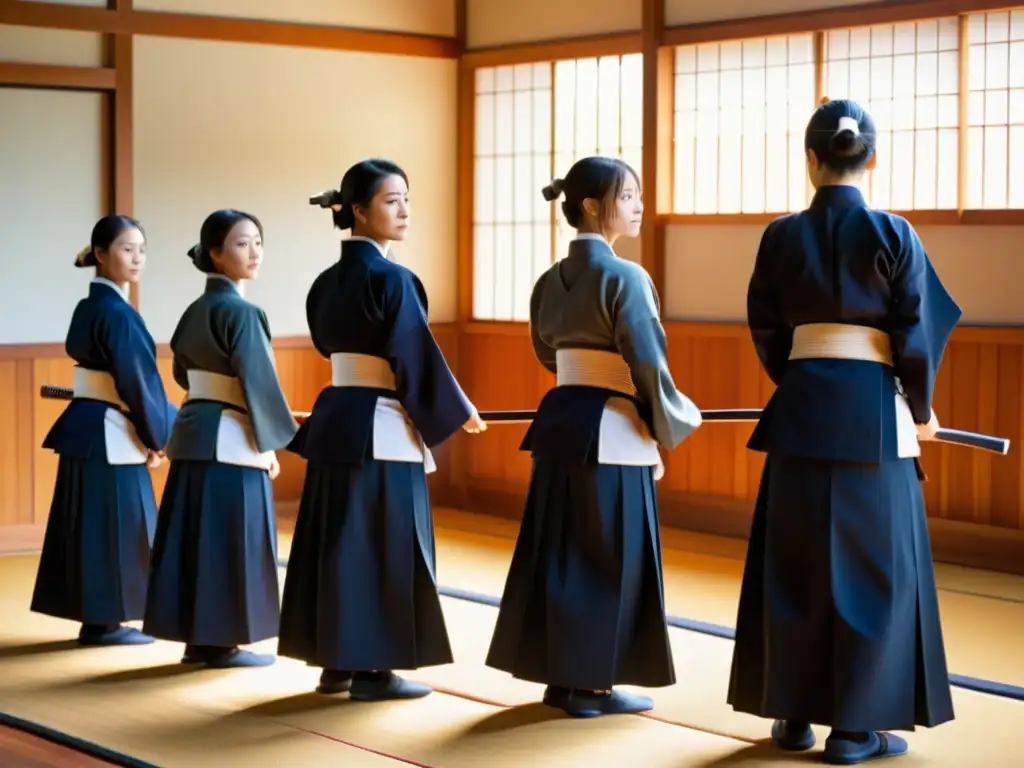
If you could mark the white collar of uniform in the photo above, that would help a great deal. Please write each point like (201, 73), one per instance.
(121, 289)
(239, 286)
(383, 252)
(590, 236)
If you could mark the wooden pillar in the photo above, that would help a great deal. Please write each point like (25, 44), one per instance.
(122, 174)
(656, 174)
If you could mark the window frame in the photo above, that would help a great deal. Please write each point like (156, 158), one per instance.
(659, 90)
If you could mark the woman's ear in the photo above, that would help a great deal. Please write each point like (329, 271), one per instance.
(591, 207)
(359, 213)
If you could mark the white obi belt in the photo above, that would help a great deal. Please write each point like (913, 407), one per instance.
(623, 437)
(395, 438)
(236, 441)
(857, 342)
(119, 435)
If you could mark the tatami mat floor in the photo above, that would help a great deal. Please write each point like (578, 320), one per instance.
(142, 703)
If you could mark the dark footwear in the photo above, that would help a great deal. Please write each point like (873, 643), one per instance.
(840, 751)
(334, 681)
(114, 636)
(234, 658)
(385, 686)
(590, 704)
(792, 735)
(556, 696)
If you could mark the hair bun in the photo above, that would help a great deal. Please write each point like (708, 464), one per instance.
(86, 257)
(195, 252)
(553, 190)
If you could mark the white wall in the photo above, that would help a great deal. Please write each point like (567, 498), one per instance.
(498, 22)
(707, 268)
(51, 194)
(679, 12)
(261, 128)
(30, 45)
(428, 17)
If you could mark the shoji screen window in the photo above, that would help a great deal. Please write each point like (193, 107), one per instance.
(995, 110)
(907, 77)
(598, 111)
(740, 112)
(512, 221)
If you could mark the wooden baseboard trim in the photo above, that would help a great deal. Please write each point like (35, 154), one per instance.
(17, 539)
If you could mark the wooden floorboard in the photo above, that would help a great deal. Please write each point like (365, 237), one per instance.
(22, 750)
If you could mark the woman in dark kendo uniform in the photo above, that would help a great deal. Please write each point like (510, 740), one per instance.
(95, 557)
(360, 596)
(838, 619)
(583, 608)
(214, 581)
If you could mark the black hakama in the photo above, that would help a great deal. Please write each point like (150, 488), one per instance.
(214, 577)
(95, 557)
(583, 605)
(846, 634)
(361, 591)
(360, 595)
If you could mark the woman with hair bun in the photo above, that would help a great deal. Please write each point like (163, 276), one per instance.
(838, 620)
(360, 595)
(96, 551)
(583, 609)
(214, 581)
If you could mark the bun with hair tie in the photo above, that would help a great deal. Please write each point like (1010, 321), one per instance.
(553, 190)
(86, 257)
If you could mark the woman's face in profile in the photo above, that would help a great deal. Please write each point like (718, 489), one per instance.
(387, 215)
(242, 253)
(124, 260)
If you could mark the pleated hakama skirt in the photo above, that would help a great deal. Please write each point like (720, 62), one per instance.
(838, 619)
(583, 605)
(96, 551)
(214, 575)
(360, 592)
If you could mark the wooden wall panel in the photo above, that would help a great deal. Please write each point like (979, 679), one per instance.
(975, 500)
(27, 471)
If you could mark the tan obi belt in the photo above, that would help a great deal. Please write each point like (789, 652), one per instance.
(395, 438)
(623, 439)
(119, 435)
(839, 341)
(236, 441)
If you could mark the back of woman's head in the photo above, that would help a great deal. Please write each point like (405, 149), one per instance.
(358, 187)
(593, 178)
(104, 233)
(842, 136)
(213, 233)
